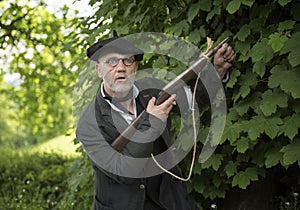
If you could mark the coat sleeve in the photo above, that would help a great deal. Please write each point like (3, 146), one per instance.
(134, 162)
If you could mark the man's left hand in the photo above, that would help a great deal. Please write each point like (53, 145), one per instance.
(223, 59)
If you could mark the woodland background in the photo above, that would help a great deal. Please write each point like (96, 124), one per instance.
(256, 165)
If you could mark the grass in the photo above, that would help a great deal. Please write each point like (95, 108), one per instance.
(62, 145)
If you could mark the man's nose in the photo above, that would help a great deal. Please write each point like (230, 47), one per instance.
(120, 66)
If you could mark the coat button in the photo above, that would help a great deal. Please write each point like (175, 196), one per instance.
(142, 186)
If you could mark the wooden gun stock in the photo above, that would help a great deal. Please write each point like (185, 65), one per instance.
(120, 143)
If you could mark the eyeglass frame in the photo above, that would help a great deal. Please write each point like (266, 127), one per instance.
(107, 61)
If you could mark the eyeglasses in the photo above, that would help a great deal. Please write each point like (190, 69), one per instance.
(114, 61)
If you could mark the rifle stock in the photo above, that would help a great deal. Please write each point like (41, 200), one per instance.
(120, 143)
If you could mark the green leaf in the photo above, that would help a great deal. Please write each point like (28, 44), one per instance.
(215, 192)
(291, 153)
(203, 31)
(248, 3)
(291, 125)
(195, 36)
(252, 173)
(242, 47)
(231, 131)
(272, 126)
(261, 51)
(202, 183)
(214, 161)
(230, 169)
(242, 107)
(205, 5)
(246, 82)
(251, 101)
(273, 157)
(287, 80)
(243, 33)
(258, 125)
(193, 11)
(270, 101)
(233, 78)
(180, 27)
(217, 181)
(284, 2)
(291, 46)
(233, 6)
(243, 178)
(260, 68)
(286, 25)
(128, 9)
(277, 41)
(242, 145)
(212, 13)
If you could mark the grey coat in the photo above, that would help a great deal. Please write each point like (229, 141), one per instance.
(97, 128)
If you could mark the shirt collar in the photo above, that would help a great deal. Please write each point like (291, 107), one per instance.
(135, 93)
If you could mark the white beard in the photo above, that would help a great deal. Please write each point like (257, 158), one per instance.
(122, 87)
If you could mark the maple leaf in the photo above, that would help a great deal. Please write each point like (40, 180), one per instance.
(271, 100)
(273, 156)
(291, 125)
(230, 169)
(291, 46)
(291, 152)
(287, 80)
(243, 178)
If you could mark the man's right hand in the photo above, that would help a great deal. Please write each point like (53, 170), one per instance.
(161, 111)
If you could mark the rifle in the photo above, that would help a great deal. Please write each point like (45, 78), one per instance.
(120, 143)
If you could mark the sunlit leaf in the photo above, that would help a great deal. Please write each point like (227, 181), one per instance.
(249, 3)
(277, 41)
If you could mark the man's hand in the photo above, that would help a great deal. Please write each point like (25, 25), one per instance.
(223, 59)
(161, 111)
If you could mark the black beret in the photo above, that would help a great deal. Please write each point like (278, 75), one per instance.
(114, 44)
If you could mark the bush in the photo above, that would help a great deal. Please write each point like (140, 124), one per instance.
(32, 181)
(80, 185)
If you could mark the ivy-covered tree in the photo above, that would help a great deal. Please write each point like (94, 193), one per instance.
(260, 146)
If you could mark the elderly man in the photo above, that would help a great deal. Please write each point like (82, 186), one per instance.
(120, 100)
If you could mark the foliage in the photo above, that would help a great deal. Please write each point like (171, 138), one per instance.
(33, 45)
(9, 135)
(262, 125)
(262, 128)
(32, 181)
(80, 187)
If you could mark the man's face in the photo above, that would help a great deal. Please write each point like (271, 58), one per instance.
(117, 71)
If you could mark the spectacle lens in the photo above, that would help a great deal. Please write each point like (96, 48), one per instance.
(114, 61)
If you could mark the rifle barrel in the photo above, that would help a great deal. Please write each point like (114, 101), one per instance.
(122, 140)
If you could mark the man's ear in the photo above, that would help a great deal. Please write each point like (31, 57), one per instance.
(98, 70)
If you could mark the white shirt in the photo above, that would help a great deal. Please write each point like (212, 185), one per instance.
(127, 116)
